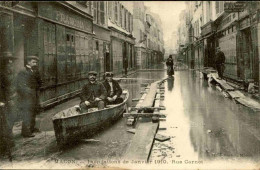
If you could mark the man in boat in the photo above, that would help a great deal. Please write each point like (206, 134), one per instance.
(93, 93)
(113, 89)
(28, 85)
(7, 103)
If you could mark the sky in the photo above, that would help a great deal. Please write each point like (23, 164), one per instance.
(169, 12)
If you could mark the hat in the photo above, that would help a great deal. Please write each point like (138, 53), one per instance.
(110, 74)
(32, 58)
(92, 72)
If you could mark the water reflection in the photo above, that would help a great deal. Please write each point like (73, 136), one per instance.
(219, 127)
(170, 81)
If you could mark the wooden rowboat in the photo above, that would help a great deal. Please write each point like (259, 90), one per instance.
(71, 125)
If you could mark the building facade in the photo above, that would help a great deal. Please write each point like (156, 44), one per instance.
(60, 34)
(236, 33)
(120, 22)
(149, 43)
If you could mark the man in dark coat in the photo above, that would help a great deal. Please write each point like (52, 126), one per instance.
(28, 85)
(7, 103)
(113, 89)
(93, 93)
(169, 64)
(220, 60)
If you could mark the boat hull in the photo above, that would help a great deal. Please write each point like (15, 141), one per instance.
(73, 128)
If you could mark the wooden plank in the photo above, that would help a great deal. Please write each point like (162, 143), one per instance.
(149, 99)
(131, 131)
(141, 145)
(236, 94)
(147, 108)
(161, 138)
(248, 102)
(135, 114)
(222, 83)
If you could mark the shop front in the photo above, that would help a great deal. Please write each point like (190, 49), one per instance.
(122, 47)
(207, 32)
(65, 43)
(226, 39)
(101, 44)
(248, 47)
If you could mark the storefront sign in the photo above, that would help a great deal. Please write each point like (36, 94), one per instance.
(61, 15)
(234, 6)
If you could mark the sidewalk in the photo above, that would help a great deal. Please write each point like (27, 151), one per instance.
(232, 91)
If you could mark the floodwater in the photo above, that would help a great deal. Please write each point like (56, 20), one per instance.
(202, 123)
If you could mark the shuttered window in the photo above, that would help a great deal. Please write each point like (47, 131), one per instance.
(101, 12)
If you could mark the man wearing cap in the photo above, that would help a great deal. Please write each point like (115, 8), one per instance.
(113, 89)
(7, 102)
(28, 85)
(220, 60)
(93, 93)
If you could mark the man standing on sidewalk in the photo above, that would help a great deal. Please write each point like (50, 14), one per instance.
(28, 85)
(220, 61)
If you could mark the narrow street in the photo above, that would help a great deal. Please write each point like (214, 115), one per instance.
(202, 124)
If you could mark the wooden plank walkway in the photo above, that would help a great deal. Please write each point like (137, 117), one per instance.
(140, 147)
(222, 83)
(237, 95)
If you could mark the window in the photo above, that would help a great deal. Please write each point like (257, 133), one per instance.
(120, 18)
(126, 21)
(89, 6)
(110, 8)
(219, 6)
(101, 12)
(116, 12)
(97, 45)
(95, 5)
(123, 17)
(129, 21)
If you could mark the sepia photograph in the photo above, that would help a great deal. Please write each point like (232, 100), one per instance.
(129, 85)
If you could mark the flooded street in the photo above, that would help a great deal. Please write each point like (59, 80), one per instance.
(204, 125)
